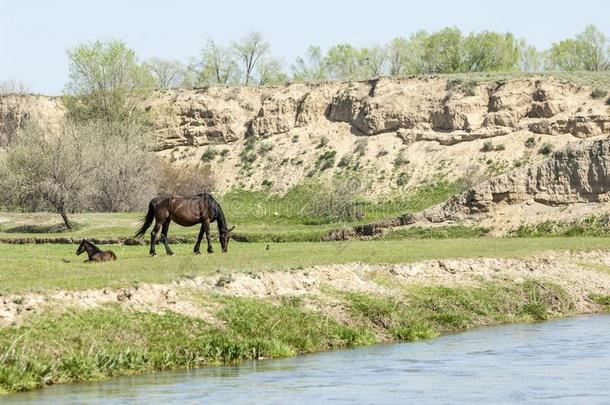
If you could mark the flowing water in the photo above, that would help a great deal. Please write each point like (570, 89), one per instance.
(564, 361)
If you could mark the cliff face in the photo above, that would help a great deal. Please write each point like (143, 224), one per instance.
(415, 108)
(391, 134)
(573, 183)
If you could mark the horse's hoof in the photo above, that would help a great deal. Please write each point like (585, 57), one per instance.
(170, 253)
(197, 252)
(210, 251)
(153, 254)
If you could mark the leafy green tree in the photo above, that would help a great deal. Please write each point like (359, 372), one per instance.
(310, 68)
(250, 50)
(344, 62)
(217, 65)
(374, 61)
(167, 73)
(399, 56)
(106, 81)
(442, 51)
(489, 51)
(270, 71)
(588, 51)
(530, 60)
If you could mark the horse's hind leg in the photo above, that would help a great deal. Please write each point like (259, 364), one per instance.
(153, 237)
(164, 230)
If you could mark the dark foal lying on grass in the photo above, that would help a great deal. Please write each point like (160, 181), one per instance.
(95, 254)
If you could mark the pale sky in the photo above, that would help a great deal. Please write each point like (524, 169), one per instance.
(34, 35)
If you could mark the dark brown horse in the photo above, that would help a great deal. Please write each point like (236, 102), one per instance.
(95, 254)
(186, 211)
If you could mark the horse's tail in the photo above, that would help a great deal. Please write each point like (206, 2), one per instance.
(147, 221)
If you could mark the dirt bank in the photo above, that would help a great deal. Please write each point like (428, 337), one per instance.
(581, 275)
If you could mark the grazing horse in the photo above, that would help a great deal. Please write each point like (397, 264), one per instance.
(186, 211)
(95, 254)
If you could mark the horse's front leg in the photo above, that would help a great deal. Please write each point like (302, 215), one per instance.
(206, 224)
(198, 244)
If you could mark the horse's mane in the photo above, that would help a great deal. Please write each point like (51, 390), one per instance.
(215, 211)
(95, 248)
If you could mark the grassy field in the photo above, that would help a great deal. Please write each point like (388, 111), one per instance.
(258, 216)
(42, 267)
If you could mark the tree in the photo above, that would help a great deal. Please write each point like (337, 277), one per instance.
(125, 177)
(441, 51)
(14, 111)
(217, 65)
(398, 56)
(374, 61)
(106, 81)
(269, 71)
(489, 51)
(595, 49)
(588, 51)
(54, 170)
(530, 60)
(93, 165)
(344, 62)
(167, 73)
(249, 51)
(311, 68)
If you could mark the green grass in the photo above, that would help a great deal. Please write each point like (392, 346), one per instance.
(592, 225)
(96, 344)
(43, 267)
(259, 216)
(595, 80)
(441, 232)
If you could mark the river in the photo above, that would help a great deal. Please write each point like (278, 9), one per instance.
(561, 361)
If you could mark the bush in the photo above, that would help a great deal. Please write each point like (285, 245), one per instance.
(466, 87)
(265, 147)
(209, 154)
(400, 159)
(546, 149)
(361, 147)
(500, 146)
(530, 142)
(185, 179)
(326, 160)
(336, 202)
(403, 179)
(488, 146)
(598, 93)
(323, 142)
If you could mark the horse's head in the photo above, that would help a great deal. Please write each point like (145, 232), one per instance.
(81, 247)
(224, 236)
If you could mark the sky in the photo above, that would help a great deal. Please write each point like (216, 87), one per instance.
(34, 35)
